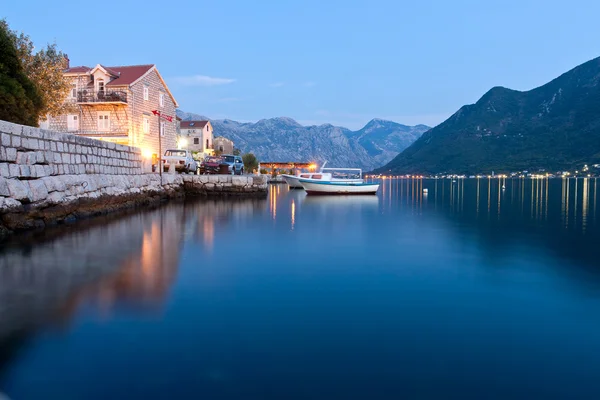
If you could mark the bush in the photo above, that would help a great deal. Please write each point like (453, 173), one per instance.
(250, 162)
(20, 101)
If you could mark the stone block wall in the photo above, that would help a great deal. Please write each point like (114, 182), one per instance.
(30, 153)
(37, 165)
(48, 178)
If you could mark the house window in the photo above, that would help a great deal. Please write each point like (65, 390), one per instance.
(100, 86)
(146, 92)
(146, 125)
(72, 122)
(196, 141)
(73, 91)
(103, 121)
(162, 128)
(161, 99)
(207, 146)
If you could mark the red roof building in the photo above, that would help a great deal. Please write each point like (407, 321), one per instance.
(120, 104)
(196, 136)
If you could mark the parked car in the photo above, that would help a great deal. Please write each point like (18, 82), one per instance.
(210, 165)
(235, 164)
(183, 160)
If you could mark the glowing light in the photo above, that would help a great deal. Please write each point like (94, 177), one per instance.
(146, 153)
(183, 143)
(312, 166)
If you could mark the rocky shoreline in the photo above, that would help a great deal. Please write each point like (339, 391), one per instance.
(49, 178)
(85, 197)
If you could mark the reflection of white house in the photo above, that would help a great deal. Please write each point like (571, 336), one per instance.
(196, 136)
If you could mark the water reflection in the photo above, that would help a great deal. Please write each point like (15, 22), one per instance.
(128, 261)
(345, 203)
(205, 217)
(219, 295)
(133, 259)
(533, 198)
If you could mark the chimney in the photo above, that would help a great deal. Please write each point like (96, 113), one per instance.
(67, 61)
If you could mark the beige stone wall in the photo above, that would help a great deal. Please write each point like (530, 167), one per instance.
(224, 145)
(201, 135)
(47, 177)
(140, 109)
(37, 165)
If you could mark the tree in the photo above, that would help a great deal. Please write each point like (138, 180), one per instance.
(45, 69)
(236, 152)
(250, 162)
(20, 101)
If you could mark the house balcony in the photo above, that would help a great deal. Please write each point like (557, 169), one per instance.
(106, 96)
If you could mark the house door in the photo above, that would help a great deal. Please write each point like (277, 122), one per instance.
(72, 122)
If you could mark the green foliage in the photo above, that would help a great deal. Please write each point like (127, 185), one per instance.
(264, 171)
(20, 101)
(250, 162)
(553, 127)
(236, 152)
(45, 69)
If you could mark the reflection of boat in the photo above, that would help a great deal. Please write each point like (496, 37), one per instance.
(340, 202)
(339, 187)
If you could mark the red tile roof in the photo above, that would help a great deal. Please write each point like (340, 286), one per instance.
(193, 124)
(127, 74)
(74, 70)
(124, 75)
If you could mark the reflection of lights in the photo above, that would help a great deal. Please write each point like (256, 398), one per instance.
(293, 213)
(209, 232)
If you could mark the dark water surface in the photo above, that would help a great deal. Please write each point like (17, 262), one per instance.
(467, 292)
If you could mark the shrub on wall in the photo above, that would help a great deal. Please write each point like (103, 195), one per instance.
(250, 162)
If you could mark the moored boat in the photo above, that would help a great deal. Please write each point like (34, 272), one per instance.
(294, 180)
(294, 183)
(338, 187)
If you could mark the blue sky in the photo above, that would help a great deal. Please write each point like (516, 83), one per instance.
(341, 62)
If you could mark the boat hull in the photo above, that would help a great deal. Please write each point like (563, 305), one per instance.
(292, 181)
(346, 188)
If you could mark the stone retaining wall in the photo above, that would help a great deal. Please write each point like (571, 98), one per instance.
(48, 177)
(226, 185)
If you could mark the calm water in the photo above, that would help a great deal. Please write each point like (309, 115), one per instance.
(467, 292)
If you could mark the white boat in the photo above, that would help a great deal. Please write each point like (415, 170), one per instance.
(293, 180)
(322, 176)
(338, 187)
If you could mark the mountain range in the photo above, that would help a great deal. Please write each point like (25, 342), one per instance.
(554, 127)
(285, 140)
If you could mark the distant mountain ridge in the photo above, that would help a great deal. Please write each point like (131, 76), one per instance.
(554, 127)
(283, 139)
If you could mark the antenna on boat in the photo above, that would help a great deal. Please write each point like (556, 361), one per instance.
(323, 166)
